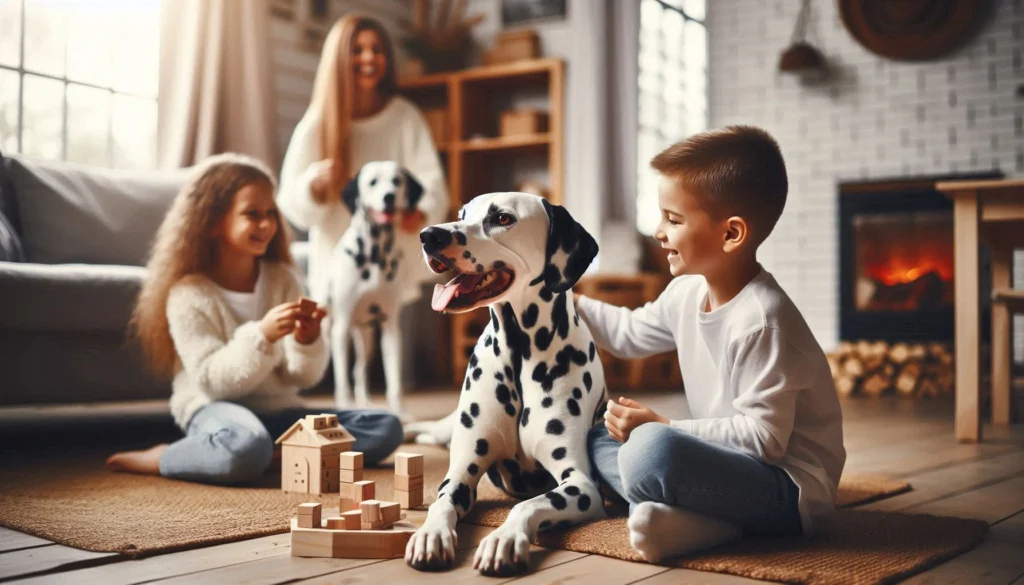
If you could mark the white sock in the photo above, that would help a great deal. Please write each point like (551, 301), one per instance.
(659, 531)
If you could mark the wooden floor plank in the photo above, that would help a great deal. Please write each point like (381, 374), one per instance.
(591, 569)
(42, 559)
(996, 561)
(689, 577)
(175, 564)
(11, 540)
(991, 503)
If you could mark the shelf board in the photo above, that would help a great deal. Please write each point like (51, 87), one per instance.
(503, 71)
(505, 142)
(434, 80)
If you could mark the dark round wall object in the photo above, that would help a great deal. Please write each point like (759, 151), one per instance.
(911, 30)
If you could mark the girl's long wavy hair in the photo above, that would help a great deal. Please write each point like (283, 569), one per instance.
(334, 87)
(184, 245)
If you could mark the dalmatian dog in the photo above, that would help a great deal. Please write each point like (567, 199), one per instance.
(368, 271)
(534, 385)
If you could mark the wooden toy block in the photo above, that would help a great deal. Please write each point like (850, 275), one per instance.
(347, 504)
(358, 491)
(309, 515)
(408, 483)
(351, 460)
(378, 525)
(307, 305)
(350, 475)
(409, 499)
(391, 512)
(408, 464)
(370, 510)
(336, 523)
(353, 519)
(351, 544)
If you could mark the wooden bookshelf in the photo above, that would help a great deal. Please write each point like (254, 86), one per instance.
(478, 159)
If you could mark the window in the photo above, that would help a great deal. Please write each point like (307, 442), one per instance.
(78, 80)
(672, 90)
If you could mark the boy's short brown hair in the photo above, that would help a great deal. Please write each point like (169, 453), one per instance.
(733, 171)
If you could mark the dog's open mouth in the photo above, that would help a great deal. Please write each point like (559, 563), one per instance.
(468, 290)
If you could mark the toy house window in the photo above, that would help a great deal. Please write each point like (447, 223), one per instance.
(78, 81)
(672, 100)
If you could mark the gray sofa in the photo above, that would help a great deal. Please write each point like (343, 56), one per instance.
(73, 242)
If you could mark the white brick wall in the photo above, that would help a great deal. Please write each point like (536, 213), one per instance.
(877, 118)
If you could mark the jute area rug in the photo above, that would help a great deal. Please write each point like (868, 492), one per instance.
(69, 498)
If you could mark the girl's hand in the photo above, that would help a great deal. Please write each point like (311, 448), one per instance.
(307, 327)
(620, 419)
(413, 221)
(328, 177)
(280, 321)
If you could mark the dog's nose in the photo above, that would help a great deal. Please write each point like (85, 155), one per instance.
(435, 239)
(389, 202)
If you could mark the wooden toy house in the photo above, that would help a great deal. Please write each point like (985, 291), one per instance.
(309, 454)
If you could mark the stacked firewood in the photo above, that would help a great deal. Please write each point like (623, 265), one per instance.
(910, 370)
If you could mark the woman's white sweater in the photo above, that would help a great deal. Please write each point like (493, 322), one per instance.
(224, 360)
(398, 133)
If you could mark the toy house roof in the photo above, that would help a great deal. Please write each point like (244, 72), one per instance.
(321, 430)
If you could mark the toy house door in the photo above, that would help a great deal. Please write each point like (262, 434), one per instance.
(299, 475)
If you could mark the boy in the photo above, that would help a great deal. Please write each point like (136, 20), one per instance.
(764, 449)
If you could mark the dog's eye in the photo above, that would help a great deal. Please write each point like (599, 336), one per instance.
(373, 182)
(504, 219)
(396, 181)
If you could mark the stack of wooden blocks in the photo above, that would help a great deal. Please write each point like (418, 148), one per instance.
(362, 534)
(409, 479)
(353, 489)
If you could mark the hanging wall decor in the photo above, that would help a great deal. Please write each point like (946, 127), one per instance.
(911, 30)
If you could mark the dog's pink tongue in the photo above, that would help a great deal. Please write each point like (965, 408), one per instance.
(444, 293)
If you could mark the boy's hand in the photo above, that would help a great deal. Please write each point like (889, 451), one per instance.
(307, 324)
(280, 321)
(620, 419)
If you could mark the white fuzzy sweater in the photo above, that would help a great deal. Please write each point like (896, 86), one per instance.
(399, 133)
(222, 359)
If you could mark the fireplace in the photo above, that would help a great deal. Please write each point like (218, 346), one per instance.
(896, 260)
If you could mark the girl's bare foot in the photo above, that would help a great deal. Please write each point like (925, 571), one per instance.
(146, 462)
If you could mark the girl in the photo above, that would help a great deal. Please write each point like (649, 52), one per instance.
(356, 117)
(220, 313)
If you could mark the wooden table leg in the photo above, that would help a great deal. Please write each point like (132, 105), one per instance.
(968, 348)
(1001, 279)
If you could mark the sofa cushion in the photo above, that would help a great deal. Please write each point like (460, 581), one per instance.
(72, 213)
(69, 297)
(10, 244)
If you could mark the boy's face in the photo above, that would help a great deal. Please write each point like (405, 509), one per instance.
(693, 239)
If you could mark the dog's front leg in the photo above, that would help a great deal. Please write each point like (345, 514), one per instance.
(362, 340)
(339, 354)
(391, 355)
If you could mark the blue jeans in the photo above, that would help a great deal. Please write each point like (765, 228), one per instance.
(660, 463)
(226, 443)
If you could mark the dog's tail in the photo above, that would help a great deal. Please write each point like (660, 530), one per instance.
(433, 432)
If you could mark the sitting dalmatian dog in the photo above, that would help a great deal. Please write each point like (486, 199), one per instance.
(534, 386)
(368, 271)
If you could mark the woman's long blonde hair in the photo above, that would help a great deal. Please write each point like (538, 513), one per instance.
(184, 245)
(334, 89)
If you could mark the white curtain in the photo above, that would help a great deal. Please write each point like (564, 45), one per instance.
(216, 91)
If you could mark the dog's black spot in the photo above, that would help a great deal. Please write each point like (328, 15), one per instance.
(499, 376)
(473, 361)
(461, 497)
(479, 268)
(460, 238)
(593, 350)
(554, 427)
(518, 482)
(508, 372)
(474, 409)
(473, 468)
(546, 402)
(466, 420)
(366, 274)
(516, 340)
(472, 259)
(515, 396)
(566, 356)
(568, 471)
(576, 319)
(466, 385)
(498, 265)
(530, 316)
(588, 381)
(466, 254)
(495, 476)
(558, 453)
(542, 339)
(572, 490)
(560, 317)
(557, 500)
(390, 276)
(502, 393)
(546, 295)
(374, 230)
(576, 393)
(443, 483)
(510, 410)
(525, 418)
(497, 349)
(487, 341)
(375, 255)
(494, 321)
(477, 373)
(583, 503)
(544, 525)
(574, 407)
(481, 447)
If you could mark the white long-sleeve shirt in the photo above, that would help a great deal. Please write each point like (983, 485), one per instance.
(225, 359)
(756, 379)
(398, 133)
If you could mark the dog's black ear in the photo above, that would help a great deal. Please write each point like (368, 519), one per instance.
(413, 190)
(570, 250)
(350, 194)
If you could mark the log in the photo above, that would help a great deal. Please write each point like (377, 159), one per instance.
(845, 385)
(875, 385)
(906, 382)
(899, 353)
(853, 366)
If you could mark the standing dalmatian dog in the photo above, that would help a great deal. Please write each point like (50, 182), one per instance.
(368, 271)
(534, 386)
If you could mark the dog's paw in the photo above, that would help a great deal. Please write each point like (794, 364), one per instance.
(431, 548)
(503, 553)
